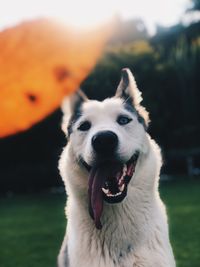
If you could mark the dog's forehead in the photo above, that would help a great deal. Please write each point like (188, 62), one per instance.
(108, 106)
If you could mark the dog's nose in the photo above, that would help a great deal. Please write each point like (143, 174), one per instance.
(105, 143)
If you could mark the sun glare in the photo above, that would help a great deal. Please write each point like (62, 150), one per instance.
(90, 13)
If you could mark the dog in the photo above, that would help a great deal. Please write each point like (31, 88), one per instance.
(110, 168)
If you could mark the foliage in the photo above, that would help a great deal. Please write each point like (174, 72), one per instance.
(168, 78)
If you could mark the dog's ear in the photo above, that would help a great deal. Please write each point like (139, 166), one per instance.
(128, 90)
(71, 107)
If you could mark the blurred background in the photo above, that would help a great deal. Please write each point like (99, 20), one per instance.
(160, 42)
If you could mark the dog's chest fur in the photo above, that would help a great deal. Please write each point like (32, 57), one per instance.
(134, 233)
(123, 241)
(113, 246)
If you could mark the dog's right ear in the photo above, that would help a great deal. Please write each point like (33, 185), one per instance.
(127, 88)
(71, 108)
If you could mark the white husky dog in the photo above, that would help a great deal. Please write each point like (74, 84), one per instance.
(111, 168)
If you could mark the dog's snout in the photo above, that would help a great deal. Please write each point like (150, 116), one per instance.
(105, 143)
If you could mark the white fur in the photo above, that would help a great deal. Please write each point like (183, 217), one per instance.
(103, 116)
(135, 231)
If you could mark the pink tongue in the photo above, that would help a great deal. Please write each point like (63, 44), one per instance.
(95, 196)
(97, 177)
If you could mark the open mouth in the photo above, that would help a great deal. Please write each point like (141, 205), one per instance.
(108, 181)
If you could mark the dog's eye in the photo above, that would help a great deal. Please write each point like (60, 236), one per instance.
(122, 120)
(84, 126)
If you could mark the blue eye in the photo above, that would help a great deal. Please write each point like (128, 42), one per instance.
(84, 126)
(123, 120)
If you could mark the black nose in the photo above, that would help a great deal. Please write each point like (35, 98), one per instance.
(105, 143)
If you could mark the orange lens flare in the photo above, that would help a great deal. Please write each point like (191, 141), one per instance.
(41, 61)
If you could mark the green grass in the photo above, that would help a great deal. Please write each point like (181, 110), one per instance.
(32, 226)
(31, 230)
(182, 199)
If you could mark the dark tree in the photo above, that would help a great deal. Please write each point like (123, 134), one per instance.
(195, 5)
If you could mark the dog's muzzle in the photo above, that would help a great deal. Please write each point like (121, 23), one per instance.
(108, 181)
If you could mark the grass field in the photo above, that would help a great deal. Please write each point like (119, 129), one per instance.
(32, 226)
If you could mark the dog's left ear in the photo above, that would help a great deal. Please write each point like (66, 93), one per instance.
(128, 90)
(71, 107)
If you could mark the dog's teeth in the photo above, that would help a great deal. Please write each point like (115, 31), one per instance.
(106, 191)
(113, 195)
(121, 181)
(124, 169)
(122, 188)
(117, 194)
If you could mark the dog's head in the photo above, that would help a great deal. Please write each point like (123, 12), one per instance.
(106, 139)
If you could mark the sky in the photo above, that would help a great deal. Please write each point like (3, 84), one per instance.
(89, 13)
